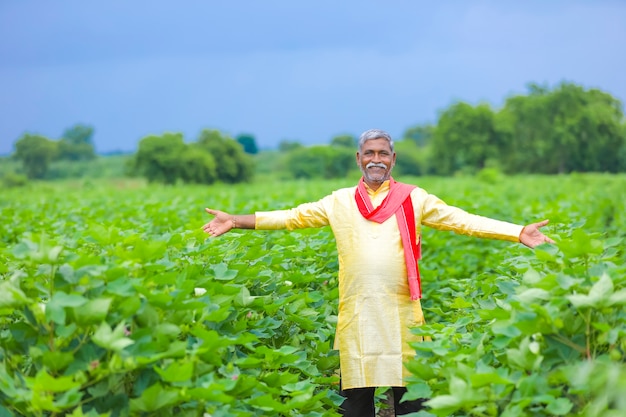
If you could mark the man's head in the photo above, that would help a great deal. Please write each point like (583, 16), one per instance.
(375, 157)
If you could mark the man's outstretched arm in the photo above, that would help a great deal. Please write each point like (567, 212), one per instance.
(224, 222)
(531, 236)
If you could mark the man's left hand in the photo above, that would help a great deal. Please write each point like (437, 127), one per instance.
(531, 236)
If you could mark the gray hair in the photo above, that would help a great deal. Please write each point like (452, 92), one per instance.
(375, 134)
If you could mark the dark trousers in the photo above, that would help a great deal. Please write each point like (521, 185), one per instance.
(359, 402)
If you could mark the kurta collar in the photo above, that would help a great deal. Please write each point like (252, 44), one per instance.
(384, 187)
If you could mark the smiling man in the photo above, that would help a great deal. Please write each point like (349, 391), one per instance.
(377, 226)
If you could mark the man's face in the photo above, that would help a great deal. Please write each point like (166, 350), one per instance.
(376, 161)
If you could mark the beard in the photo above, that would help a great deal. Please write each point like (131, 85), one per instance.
(376, 177)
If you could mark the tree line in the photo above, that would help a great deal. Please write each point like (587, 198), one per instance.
(213, 157)
(36, 152)
(547, 131)
(567, 129)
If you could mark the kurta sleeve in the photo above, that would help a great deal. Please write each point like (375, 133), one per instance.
(438, 215)
(304, 216)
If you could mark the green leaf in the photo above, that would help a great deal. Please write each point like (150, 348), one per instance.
(57, 361)
(213, 393)
(421, 370)
(11, 296)
(525, 356)
(460, 303)
(505, 328)
(147, 316)
(531, 277)
(598, 296)
(485, 379)
(7, 385)
(244, 298)
(559, 407)
(581, 244)
(618, 298)
(451, 402)
(613, 241)
(63, 299)
(268, 403)
(177, 371)
(92, 312)
(169, 330)
(458, 386)
(416, 391)
(530, 295)
(546, 253)
(67, 272)
(44, 382)
(122, 287)
(566, 282)
(222, 272)
(53, 253)
(69, 398)
(154, 398)
(111, 339)
(129, 306)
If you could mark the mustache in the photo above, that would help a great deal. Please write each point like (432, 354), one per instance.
(376, 165)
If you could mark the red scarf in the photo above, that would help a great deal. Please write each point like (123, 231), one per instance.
(397, 202)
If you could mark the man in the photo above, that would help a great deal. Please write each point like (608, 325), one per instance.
(377, 228)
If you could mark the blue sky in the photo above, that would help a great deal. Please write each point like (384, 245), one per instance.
(287, 70)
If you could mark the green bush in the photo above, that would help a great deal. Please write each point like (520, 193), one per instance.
(197, 166)
(12, 179)
(168, 159)
(36, 152)
(233, 165)
(489, 175)
(321, 161)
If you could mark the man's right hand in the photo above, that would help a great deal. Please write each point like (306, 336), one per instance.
(221, 224)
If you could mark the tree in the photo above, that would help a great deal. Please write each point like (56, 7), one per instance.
(168, 159)
(320, 161)
(213, 157)
(160, 158)
(78, 134)
(233, 165)
(346, 141)
(465, 139)
(289, 145)
(563, 130)
(249, 144)
(410, 160)
(35, 152)
(76, 143)
(197, 166)
(421, 135)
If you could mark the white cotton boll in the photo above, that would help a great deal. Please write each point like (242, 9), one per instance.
(288, 283)
(199, 291)
(534, 347)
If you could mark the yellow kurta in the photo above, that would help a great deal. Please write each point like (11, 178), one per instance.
(375, 310)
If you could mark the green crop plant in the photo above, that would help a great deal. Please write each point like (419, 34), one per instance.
(113, 302)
